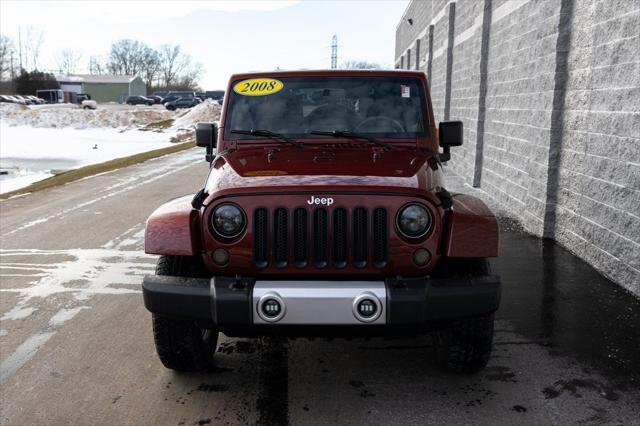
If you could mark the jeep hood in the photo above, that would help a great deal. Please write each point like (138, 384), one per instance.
(268, 169)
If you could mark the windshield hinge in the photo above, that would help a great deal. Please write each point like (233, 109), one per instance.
(229, 145)
(446, 201)
(198, 199)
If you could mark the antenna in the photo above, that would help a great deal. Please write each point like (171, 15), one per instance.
(334, 52)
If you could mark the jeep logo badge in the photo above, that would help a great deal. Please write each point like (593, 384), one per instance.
(324, 201)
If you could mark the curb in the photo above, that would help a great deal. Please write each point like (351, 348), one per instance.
(94, 169)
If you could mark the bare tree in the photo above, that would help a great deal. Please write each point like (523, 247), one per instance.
(29, 47)
(7, 52)
(96, 65)
(150, 66)
(68, 60)
(190, 76)
(166, 67)
(172, 63)
(126, 57)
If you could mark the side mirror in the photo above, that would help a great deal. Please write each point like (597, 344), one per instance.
(206, 137)
(450, 134)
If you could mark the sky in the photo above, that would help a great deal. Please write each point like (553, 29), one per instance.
(225, 36)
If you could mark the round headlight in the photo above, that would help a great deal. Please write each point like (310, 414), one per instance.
(413, 220)
(228, 220)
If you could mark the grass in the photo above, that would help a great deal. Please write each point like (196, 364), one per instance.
(156, 125)
(94, 169)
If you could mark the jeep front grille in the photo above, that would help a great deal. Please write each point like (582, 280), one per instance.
(360, 237)
(320, 237)
(260, 235)
(300, 238)
(280, 239)
(340, 237)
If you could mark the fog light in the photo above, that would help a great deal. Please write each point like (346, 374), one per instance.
(367, 307)
(220, 256)
(421, 257)
(271, 307)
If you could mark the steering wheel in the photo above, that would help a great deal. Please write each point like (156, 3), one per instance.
(328, 110)
(395, 124)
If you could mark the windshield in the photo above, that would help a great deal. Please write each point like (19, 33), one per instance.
(297, 106)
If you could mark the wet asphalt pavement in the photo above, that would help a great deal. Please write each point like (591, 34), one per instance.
(76, 344)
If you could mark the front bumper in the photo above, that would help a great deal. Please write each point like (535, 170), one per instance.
(321, 307)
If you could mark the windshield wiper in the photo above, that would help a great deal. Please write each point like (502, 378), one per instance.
(348, 134)
(269, 134)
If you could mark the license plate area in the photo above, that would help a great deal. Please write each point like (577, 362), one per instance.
(319, 302)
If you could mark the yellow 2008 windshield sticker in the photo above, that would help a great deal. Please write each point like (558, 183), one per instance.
(258, 87)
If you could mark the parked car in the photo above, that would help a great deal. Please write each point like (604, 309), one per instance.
(6, 100)
(156, 99)
(216, 95)
(35, 99)
(24, 99)
(182, 103)
(138, 100)
(172, 96)
(324, 217)
(16, 100)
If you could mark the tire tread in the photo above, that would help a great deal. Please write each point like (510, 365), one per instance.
(465, 346)
(180, 343)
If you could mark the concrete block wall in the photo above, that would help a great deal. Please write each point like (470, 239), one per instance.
(549, 93)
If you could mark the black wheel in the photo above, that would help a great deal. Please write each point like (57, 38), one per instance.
(464, 346)
(182, 344)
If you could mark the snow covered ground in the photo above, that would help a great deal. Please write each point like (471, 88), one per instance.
(69, 115)
(35, 143)
(31, 154)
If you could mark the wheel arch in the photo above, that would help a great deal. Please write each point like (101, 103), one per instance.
(173, 229)
(471, 229)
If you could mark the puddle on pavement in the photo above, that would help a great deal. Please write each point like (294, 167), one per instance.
(552, 297)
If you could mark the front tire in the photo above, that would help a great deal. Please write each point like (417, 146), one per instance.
(464, 346)
(181, 344)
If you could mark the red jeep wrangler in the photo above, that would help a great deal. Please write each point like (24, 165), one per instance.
(324, 213)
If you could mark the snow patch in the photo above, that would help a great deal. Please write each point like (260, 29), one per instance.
(23, 354)
(20, 179)
(64, 315)
(205, 112)
(70, 116)
(18, 312)
(84, 273)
